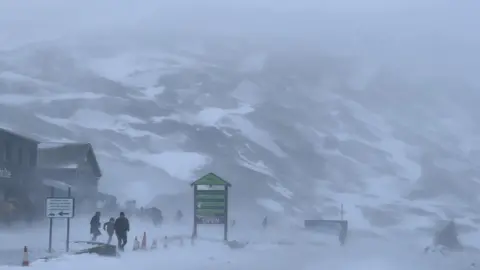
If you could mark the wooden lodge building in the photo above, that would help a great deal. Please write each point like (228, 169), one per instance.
(29, 169)
(18, 161)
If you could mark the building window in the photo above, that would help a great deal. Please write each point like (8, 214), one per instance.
(32, 157)
(8, 152)
(4, 152)
(20, 156)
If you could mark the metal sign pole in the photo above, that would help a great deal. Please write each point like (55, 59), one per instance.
(194, 233)
(52, 194)
(225, 221)
(68, 224)
(59, 207)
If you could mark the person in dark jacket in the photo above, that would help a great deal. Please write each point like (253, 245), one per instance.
(110, 228)
(122, 226)
(95, 226)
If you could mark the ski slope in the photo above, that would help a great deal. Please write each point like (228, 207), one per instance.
(274, 248)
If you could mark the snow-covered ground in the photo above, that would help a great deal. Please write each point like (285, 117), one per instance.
(270, 249)
(207, 251)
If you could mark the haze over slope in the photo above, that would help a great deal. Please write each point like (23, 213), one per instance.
(302, 107)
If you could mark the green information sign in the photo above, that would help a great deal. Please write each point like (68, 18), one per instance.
(211, 202)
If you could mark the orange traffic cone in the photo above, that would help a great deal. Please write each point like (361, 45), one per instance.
(136, 244)
(144, 241)
(25, 261)
(154, 244)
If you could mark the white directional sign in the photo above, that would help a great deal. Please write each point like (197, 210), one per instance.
(60, 207)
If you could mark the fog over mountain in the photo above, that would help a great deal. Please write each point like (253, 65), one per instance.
(301, 105)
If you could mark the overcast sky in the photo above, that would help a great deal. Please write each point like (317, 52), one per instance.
(433, 32)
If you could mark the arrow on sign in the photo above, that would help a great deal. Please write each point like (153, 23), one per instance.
(199, 205)
(63, 214)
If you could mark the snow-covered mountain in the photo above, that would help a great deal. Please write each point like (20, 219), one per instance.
(295, 132)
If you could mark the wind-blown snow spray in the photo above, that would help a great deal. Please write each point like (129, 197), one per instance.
(154, 244)
(136, 244)
(165, 242)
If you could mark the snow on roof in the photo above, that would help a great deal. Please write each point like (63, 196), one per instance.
(48, 145)
(67, 155)
(57, 184)
(16, 134)
(68, 166)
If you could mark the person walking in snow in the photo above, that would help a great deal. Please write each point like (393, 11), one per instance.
(95, 226)
(110, 228)
(122, 226)
(264, 222)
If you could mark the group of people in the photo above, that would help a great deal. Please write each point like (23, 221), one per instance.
(119, 226)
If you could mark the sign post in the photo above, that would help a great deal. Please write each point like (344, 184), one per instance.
(59, 207)
(210, 197)
(67, 243)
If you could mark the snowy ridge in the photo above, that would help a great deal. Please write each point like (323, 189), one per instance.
(281, 126)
